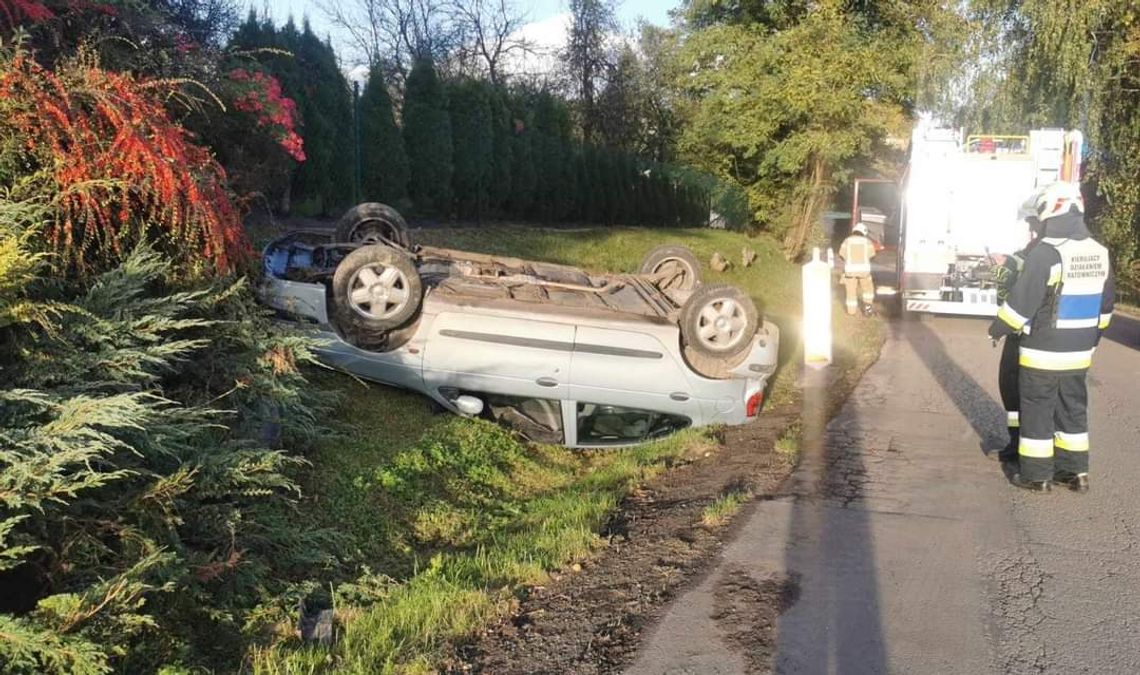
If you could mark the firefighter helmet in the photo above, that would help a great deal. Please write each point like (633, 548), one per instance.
(1058, 199)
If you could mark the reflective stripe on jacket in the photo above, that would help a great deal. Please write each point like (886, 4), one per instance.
(856, 252)
(1062, 299)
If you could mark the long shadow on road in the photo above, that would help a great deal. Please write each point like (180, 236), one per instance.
(985, 415)
(830, 547)
(838, 625)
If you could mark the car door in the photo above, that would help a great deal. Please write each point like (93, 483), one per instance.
(501, 355)
(630, 369)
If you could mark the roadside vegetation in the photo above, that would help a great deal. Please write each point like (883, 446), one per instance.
(151, 415)
(724, 508)
(788, 444)
(445, 519)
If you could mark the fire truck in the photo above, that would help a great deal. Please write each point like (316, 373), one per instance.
(959, 204)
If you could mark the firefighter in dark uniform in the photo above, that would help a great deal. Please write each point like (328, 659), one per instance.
(1005, 274)
(1060, 305)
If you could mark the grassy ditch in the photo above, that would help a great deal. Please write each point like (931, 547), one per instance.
(443, 519)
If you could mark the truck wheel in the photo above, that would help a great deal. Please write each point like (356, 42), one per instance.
(673, 268)
(376, 289)
(717, 326)
(373, 223)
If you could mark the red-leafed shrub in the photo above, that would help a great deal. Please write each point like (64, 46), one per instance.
(15, 12)
(261, 97)
(122, 170)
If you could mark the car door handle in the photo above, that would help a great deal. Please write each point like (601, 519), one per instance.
(547, 382)
(679, 396)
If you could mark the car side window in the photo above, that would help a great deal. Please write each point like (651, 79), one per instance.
(539, 419)
(600, 424)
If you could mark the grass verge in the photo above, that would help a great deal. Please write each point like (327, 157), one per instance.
(724, 508)
(443, 519)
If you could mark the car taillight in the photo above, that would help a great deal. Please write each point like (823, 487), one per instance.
(754, 402)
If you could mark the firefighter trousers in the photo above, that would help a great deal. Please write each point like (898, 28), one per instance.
(1054, 423)
(859, 285)
(1009, 371)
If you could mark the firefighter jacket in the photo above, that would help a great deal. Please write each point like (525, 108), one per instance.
(857, 252)
(1062, 300)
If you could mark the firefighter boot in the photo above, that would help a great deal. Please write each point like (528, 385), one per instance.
(1077, 482)
(1032, 485)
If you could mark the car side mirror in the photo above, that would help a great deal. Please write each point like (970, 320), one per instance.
(469, 405)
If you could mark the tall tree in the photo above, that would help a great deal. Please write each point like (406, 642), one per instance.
(619, 120)
(785, 98)
(656, 73)
(384, 162)
(588, 56)
(323, 183)
(524, 176)
(309, 74)
(427, 138)
(472, 137)
(501, 160)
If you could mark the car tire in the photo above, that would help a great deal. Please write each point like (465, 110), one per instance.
(373, 223)
(718, 323)
(375, 290)
(677, 265)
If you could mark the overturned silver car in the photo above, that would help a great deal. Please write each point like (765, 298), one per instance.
(562, 356)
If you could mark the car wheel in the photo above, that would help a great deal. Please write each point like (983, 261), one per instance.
(673, 268)
(373, 223)
(376, 289)
(717, 325)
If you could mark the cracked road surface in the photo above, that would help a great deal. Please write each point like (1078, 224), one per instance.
(900, 547)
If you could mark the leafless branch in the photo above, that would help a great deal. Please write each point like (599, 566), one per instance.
(490, 30)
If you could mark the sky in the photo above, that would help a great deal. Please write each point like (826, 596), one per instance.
(544, 15)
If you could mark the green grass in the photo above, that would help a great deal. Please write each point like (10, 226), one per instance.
(724, 508)
(788, 444)
(449, 515)
(442, 520)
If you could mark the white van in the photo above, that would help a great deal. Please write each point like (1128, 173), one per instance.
(557, 354)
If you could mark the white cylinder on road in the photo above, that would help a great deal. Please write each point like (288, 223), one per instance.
(817, 312)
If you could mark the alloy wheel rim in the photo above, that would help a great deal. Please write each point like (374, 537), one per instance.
(721, 324)
(378, 291)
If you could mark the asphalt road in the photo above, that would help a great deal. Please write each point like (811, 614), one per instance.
(901, 547)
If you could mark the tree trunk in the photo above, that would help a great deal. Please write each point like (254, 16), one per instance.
(796, 239)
